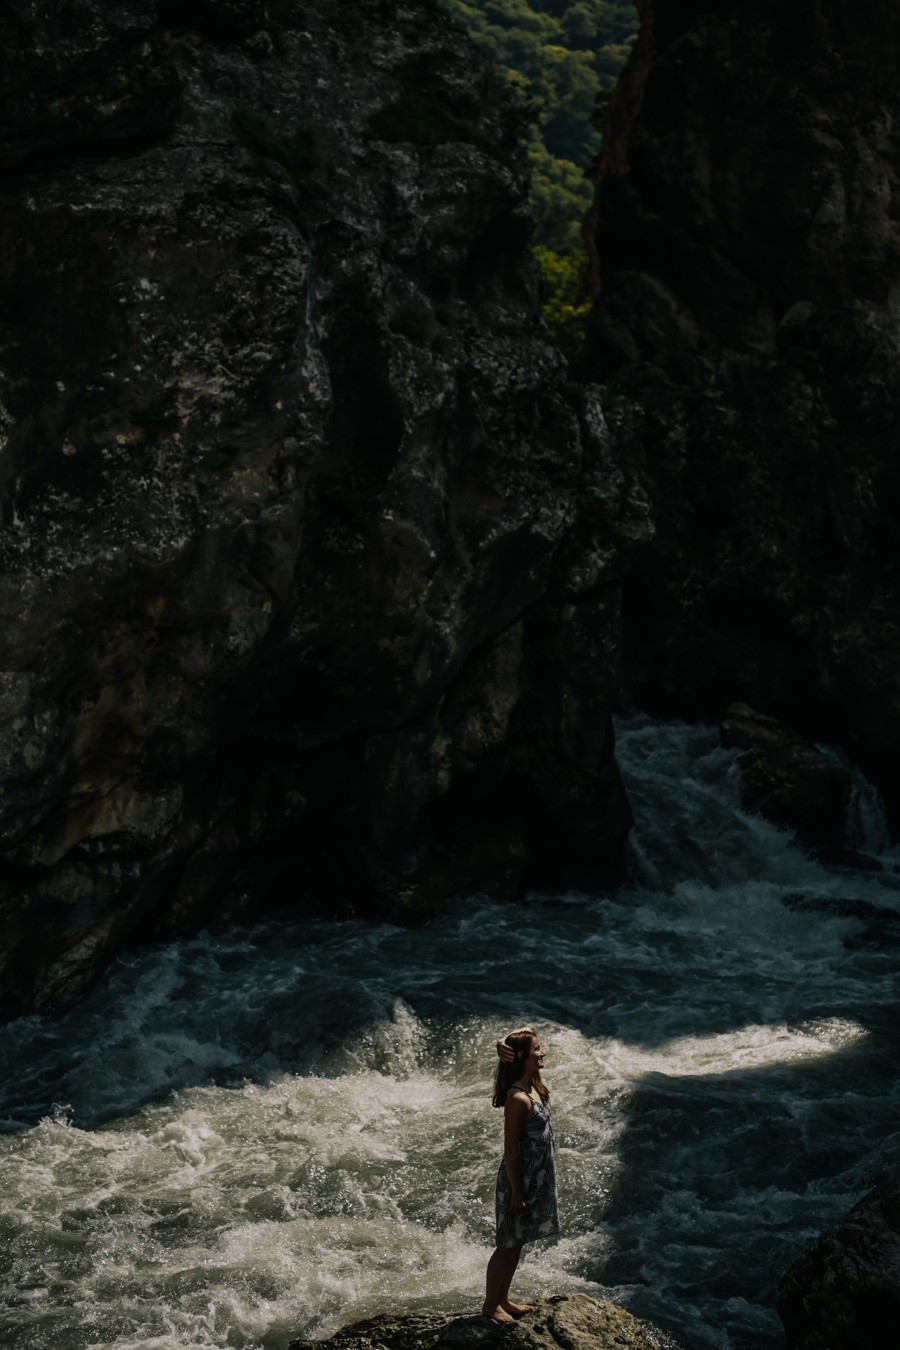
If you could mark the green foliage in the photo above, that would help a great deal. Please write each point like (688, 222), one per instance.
(560, 196)
(562, 53)
(524, 108)
(565, 300)
(560, 57)
(425, 121)
(302, 153)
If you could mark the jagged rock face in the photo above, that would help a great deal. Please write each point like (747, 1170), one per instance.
(749, 256)
(575, 1322)
(303, 599)
(844, 1293)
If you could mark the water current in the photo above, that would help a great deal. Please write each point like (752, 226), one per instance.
(274, 1131)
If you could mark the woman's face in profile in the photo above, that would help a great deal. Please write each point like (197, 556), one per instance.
(535, 1061)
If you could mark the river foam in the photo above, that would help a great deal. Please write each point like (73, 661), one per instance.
(247, 1137)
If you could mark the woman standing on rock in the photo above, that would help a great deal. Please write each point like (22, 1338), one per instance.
(526, 1182)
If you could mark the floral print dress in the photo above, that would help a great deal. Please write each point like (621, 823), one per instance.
(537, 1160)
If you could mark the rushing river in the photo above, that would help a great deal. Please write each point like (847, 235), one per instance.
(248, 1137)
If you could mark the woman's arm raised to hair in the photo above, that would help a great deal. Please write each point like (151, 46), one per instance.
(515, 1115)
(506, 1052)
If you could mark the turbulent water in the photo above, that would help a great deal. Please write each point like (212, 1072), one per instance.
(244, 1138)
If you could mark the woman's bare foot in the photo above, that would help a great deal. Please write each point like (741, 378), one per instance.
(497, 1314)
(516, 1309)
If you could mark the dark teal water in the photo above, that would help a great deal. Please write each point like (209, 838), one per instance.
(244, 1138)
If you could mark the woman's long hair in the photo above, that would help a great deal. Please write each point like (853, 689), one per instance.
(520, 1042)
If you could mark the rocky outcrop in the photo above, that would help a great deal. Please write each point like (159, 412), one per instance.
(788, 780)
(573, 1322)
(748, 249)
(310, 570)
(844, 1293)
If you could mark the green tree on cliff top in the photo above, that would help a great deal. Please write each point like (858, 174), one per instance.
(563, 53)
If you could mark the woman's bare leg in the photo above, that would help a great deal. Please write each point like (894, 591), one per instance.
(506, 1303)
(500, 1270)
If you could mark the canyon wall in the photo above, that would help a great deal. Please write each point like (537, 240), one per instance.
(319, 581)
(747, 254)
(309, 588)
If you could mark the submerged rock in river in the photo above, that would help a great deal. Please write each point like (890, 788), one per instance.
(788, 780)
(844, 1293)
(572, 1322)
(299, 603)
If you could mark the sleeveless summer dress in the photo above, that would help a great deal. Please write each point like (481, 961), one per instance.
(537, 1160)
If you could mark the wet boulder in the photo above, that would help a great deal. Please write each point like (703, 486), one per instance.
(787, 779)
(878, 926)
(844, 1293)
(574, 1322)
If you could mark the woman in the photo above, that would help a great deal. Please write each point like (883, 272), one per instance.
(526, 1182)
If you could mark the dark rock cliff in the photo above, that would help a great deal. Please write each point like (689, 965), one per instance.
(748, 254)
(844, 1292)
(314, 576)
(309, 594)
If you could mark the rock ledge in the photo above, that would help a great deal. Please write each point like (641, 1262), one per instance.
(574, 1322)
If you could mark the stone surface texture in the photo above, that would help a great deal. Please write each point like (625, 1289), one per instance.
(788, 780)
(844, 1293)
(747, 250)
(572, 1322)
(310, 566)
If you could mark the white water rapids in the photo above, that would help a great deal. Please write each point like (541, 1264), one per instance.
(269, 1133)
